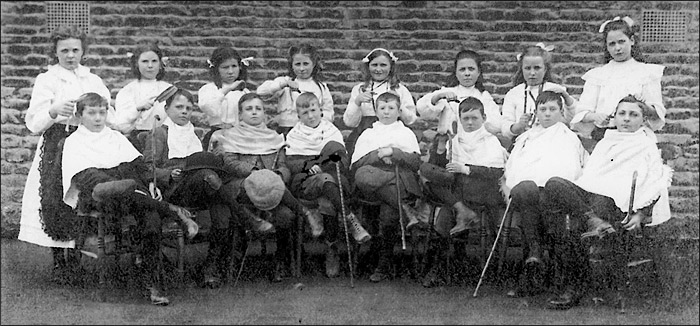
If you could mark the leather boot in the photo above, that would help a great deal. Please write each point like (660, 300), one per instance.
(332, 262)
(597, 226)
(109, 189)
(414, 217)
(466, 219)
(258, 224)
(315, 221)
(212, 277)
(358, 232)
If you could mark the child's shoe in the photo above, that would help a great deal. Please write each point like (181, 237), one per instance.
(358, 232)
(414, 217)
(332, 263)
(597, 227)
(315, 221)
(157, 298)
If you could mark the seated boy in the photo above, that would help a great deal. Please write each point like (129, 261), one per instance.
(599, 199)
(103, 171)
(313, 142)
(468, 172)
(249, 147)
(380, 151)
(549, 149)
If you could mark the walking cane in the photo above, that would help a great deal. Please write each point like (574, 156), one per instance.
(398, 198)
(495, 242)
(240, 269)
(345, 220)
(625, 237)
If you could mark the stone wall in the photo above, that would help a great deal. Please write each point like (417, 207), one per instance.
(425, 35)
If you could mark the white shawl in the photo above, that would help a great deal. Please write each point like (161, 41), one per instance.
(609, 170)
(380, 135)
(304, 140)
(478, 147)
(541, 153)
(247, 139)
(182, 141)
(86, 149)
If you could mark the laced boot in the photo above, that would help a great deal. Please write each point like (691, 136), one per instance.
(358, 232)
(109, 189)
(332, 263)
(156, 297)
(466, 219)
(315, 221)
(414, 217)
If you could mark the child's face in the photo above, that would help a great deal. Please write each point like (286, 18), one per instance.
(471, 120)
(69, 52)
(93, 117)
(179, 110)
(229, 70)
(149, 65)
(388, 112)
(628, 117)
(548, 113)
(533, 70)
(379, 68)
(467, 72)
(310, 116)
(252, 112)
(619, 45)
(302, 66)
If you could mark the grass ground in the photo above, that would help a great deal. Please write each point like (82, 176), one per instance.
(28, 297)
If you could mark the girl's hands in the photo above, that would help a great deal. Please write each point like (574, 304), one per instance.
(599, 119)
(62, 109)
(146, 104)
(447, 95)
(176, 174)
(365, 96)
(238, 84)
(293, 85)
(522, 124)
(633, 222)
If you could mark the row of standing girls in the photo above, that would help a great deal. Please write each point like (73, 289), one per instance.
(51, 112)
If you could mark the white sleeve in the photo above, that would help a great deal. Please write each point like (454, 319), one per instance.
(508, 115)
(125, 106)
(38, 118)
(408, 106)
(272, 89)
(353, 113)
(425, 107)
(587, 102)
(494, 121)
(211, 100)
(327, 103)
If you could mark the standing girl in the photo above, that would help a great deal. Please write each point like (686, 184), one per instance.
(136, 103)
(467, 80)
(381, 75)
(304, 76)
(46, 220)
(533, 76)
(219, 99)
(625, 73)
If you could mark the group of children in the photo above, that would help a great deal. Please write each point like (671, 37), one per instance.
(144, 158)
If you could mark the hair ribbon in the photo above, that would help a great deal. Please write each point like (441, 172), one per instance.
(391, 55)
(548, 48)
(129, 54)
(626, 19)
(165, 61)
(246, 61)
(211, 65)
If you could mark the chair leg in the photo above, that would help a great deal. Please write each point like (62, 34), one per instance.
(299, 246)
(180, 256)
(506, 239)
(101, 259)
(482, 238)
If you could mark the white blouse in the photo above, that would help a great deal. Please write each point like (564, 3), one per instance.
(286, 99)
(354, 113)
(427, 110)
(605, 86)
(519, 100)
(128, 118)
(219, 108)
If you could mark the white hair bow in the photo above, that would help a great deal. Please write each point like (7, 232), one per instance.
(246, 61)
(129, 54)
(548, 48)
(165, 61)
(211, 65)
(391, 55)
(626, 19)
